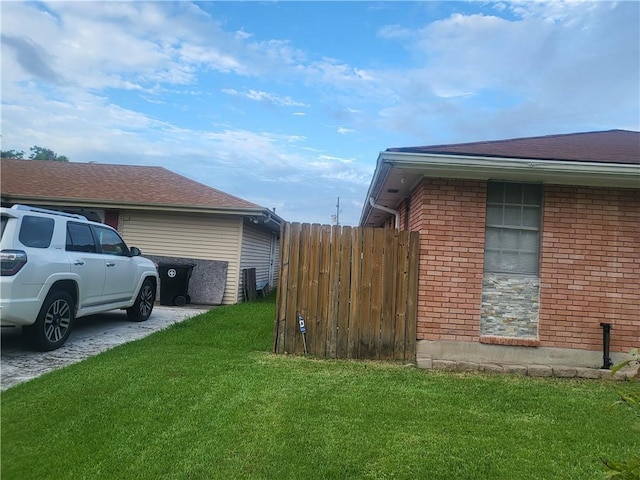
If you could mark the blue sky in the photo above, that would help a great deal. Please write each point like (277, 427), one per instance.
(287, 104)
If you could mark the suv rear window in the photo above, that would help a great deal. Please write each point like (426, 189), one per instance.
(4, 224)
(36, 232)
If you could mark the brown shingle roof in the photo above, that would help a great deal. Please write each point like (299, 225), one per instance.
(612, 146)
(105, 183)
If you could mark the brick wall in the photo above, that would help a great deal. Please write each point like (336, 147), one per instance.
(590, 267)
(450, 216)
(589, 273)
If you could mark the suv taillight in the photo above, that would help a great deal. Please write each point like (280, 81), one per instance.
(12, 261)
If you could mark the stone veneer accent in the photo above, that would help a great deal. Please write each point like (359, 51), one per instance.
(510, 306)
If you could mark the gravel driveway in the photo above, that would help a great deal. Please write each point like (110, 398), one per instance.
(90, 336)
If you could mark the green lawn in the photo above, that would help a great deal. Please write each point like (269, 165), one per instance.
(206, 399)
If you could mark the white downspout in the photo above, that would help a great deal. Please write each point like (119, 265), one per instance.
(388, 210)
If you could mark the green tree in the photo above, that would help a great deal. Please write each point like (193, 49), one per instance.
(41, 153)
(12, 154)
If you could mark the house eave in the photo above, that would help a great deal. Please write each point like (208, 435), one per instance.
(270, 219)
(397, 173)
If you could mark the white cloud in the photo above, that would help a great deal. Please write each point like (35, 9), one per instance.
(211, 58)
(124, 45)
(260, 96)
(555, 65)
(519, 68)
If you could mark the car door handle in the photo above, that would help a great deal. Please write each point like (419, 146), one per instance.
(78, 262)
(111, 264)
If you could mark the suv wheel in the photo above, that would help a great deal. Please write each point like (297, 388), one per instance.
(53, 325)
(141, 310)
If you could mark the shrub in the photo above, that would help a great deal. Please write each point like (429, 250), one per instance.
(628, 469)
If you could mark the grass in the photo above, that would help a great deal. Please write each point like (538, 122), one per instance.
(206, 399)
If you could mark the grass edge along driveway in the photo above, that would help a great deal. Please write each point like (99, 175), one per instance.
(205, 399)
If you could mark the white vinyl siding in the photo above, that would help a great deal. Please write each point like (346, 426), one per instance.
(260, 250)
(275, 259)
(207, 237)
(257, 253)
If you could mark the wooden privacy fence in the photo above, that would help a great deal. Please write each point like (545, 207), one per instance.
(356, 289)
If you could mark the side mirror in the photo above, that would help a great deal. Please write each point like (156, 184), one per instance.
(135, 251)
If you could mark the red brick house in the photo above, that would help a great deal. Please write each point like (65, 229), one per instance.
(528, 245)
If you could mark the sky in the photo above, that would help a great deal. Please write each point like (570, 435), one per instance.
(288, 104)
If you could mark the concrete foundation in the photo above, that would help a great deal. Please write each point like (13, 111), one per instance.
(538, 361)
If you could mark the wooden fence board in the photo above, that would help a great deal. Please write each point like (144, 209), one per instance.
(401, 293)
(355, 287)
(311, 316)
(376, 294)
(354, 304)
(281, 298)
(364, 297)
(320, 336)
(292, 290)
(304, 292)
(343, 293)
(387, 317)
(311, 313)
(332, 331)
(412, 299)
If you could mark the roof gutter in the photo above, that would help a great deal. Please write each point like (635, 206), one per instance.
(271, 217)
(485, 167)
(135, 205)
(388, 210)
(379, 177)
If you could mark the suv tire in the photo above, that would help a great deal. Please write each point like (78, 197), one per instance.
(143, 307)
(53, 324)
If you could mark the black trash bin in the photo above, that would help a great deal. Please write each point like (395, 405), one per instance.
(174, 283)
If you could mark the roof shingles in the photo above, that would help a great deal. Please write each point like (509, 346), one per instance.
(612, 146)
(121, 184)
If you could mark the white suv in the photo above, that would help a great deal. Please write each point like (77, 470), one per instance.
(57, 267)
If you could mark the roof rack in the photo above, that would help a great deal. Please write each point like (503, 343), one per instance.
(50, 212)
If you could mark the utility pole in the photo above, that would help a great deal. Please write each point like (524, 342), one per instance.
(338, 213)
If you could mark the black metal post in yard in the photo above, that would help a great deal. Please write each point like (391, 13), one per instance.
(606, 337)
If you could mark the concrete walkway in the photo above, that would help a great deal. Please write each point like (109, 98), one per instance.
(90, 336)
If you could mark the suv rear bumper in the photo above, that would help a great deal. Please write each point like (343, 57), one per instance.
(18, 312)
(19, 304)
